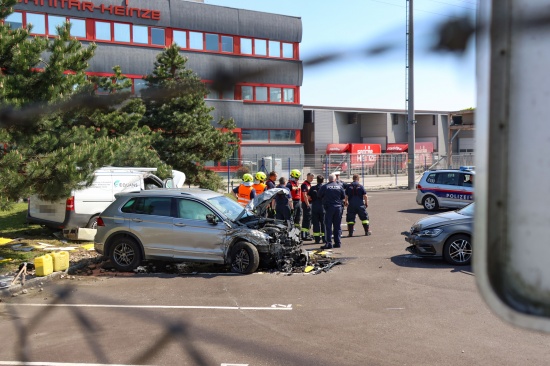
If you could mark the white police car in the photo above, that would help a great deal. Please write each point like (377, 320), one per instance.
(451, 188)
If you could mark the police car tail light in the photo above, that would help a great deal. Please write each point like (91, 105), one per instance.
(418, 186)
(69, 206)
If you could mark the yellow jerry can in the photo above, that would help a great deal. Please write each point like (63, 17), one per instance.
(43, 265)
(60, 260)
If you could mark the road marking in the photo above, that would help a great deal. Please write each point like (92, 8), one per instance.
(395, 308)
(272, 307)
(21, 363)
(234, 364)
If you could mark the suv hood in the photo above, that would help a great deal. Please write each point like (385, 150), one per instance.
(261, 203)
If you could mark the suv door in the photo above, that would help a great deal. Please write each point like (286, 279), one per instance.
(151, 220)
(194, 237)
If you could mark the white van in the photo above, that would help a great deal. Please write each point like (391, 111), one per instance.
(82, 208)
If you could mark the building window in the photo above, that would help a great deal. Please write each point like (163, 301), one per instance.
(157, 36)
(267, 136)
(196, 41)
(227, 44)
(54, 22)
(260, 47)
(38, 22)
(261, 94)
(246, 46)
(140, 34)
(288, 50)
(275, 95)
(282, 136)
(288, 95)
(78, 27)
(139, 85)
(122, 32)
(274, 49)
(212, 42)
(102, 31)
(255, 135)
(14, 20)
(247, 93)
(180, 38)
(229, 94)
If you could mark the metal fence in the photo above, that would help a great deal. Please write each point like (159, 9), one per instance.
(347, 164)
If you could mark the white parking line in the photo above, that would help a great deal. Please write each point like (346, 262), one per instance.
(20, 363)
(272, 307)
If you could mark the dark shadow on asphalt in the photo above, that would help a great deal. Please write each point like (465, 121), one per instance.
(414, 261)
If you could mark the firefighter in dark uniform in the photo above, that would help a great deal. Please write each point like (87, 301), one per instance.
(317, 211)
(272, 181)
(332, 195)
(357, 202)
(306, 207)
(296, 194)
(283, 202)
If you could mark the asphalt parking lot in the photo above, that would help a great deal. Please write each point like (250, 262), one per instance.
(382, 306)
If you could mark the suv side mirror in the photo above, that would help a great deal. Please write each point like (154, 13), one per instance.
(211, 218)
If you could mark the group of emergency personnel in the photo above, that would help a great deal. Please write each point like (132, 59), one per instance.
(320, 206)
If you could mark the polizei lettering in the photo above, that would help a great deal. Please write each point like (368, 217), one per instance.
(117, 10)
(458, 196)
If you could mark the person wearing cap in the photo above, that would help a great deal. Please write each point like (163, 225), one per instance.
(245, 192)
(357, 202)
(332, 195)
(296, 195)
(317, 211)
(306, 207)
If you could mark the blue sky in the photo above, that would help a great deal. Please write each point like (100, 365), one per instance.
(442, 82)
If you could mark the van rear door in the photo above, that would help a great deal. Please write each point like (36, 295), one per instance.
(51, 214)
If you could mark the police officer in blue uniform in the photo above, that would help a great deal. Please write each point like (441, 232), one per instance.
(317, 211)
(357, 202)
(332, 196)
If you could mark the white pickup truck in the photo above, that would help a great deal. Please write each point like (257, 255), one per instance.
(83, 206)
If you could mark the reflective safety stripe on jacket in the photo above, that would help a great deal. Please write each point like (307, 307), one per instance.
(244, 194)
(259, 187)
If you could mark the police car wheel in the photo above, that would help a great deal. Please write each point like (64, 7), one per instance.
(244, 258)
(430, 203)
(458, 250)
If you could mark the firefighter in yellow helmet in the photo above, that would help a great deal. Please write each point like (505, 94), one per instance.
(245, 192)
(296, 194)
(259, 185)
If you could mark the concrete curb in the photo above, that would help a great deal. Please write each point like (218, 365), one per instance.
(34, 282)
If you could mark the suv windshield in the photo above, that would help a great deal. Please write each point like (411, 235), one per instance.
(227, 206)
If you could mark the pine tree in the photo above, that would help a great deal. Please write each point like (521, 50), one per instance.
(177, 110)
(78, 131)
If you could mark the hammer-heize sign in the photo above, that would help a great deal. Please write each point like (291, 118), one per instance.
(118, 10)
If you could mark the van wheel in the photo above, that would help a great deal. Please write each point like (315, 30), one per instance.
(125, 254)
(92, 224)
(430, 203)
(244, 258)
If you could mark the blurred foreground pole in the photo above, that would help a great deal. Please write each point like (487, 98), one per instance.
(410, 94)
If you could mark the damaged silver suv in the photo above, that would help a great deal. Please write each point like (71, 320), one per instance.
(195, 225)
